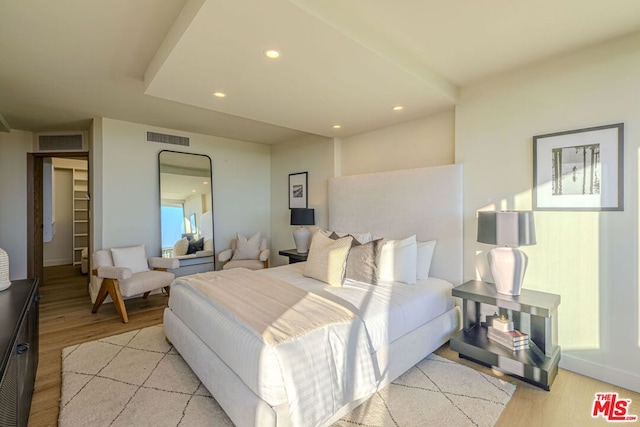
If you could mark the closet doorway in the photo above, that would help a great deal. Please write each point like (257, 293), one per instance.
(58, 215)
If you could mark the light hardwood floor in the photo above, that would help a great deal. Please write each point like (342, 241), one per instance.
(66, 319)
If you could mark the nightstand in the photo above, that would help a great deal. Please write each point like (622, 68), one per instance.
(294, 256)
(532, 312)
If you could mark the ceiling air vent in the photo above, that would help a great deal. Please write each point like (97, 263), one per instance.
(61, 142)
(167, 139)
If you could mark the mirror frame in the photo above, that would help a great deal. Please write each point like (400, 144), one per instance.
(160, 166)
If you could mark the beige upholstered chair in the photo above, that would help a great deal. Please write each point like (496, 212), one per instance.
(126, 272)
(236, 256)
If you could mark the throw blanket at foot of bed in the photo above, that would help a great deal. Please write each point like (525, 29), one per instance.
(274, 309)
(313, 349)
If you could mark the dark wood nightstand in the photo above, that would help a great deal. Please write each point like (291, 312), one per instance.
(532, 312)
(294, 256)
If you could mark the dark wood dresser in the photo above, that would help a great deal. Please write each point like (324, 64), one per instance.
(19, 349)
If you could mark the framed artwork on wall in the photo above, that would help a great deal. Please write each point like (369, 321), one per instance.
(298, 183)
(579, 170)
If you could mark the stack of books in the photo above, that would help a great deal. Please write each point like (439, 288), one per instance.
(514, 340)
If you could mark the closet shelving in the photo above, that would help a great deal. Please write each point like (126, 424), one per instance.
(80, 213)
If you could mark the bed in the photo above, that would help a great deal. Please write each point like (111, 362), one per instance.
(372, 334)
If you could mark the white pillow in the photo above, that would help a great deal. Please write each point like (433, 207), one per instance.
(247, 248)
(327, 259)
(133, 257)
(398, 260)
(425, 255)
(181, 247)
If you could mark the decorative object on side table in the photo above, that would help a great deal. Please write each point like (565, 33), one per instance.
(508, 230)
(4, 270)
(302, 235)
(513, 340)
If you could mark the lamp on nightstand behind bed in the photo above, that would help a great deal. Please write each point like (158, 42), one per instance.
(302, 235)
(508, 230)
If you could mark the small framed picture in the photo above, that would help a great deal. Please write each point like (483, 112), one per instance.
(579, 170)
(298, 190)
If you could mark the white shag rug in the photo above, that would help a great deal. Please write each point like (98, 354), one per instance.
(138, 379)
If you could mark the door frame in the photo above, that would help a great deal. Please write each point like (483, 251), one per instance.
(35, 251)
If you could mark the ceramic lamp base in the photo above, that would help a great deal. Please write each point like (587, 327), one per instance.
(301, 236)
(508, 266)
(4, 270)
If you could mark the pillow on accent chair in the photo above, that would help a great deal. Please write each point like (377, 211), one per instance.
(327, 259)
(134, 258)
(247, 248)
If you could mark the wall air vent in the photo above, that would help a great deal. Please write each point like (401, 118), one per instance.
(167, 139)
(69, 141)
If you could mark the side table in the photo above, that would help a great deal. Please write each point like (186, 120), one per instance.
(532, 312)
(294, 256)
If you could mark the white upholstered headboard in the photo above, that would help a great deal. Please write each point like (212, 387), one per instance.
(426, 202)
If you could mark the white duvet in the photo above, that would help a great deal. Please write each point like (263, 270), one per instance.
(320, 372)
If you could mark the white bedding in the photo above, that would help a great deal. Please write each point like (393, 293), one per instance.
(389, 310)
(329, 367)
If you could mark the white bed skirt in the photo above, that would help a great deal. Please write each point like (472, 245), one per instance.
(245, 408)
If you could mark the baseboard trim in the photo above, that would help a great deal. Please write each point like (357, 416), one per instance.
(600, 372)
(56, 262)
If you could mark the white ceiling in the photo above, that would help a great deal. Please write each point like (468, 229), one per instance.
(343, 62)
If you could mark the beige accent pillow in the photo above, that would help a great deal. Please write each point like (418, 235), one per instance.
(134, 257)
(247, 248)
(327, 259)
(362, 261)
(181, 247)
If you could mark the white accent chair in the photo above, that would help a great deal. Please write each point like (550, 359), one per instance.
(126, 272)
(261, 261)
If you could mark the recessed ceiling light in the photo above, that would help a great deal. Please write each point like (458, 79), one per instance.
(398, 108)
(337, 126)
(219, 94)
(193, 191)
(272, 54)
(205, 182)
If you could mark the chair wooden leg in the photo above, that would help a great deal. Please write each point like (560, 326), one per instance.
(146, 294)
(102, 294)
(266, 264)
(167, 289)
(118, 302)
(111, 287)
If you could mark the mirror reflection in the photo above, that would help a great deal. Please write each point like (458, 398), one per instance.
(186, 216)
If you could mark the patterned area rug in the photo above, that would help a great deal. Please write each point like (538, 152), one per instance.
(138, 379)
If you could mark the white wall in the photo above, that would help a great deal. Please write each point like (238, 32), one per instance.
(14, 147)
(126, 185)
(589, 258)
(428, 141)
(312, 154)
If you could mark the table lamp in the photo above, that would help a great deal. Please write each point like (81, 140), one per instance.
(302, 235)
(4, 270)
(508, 230)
